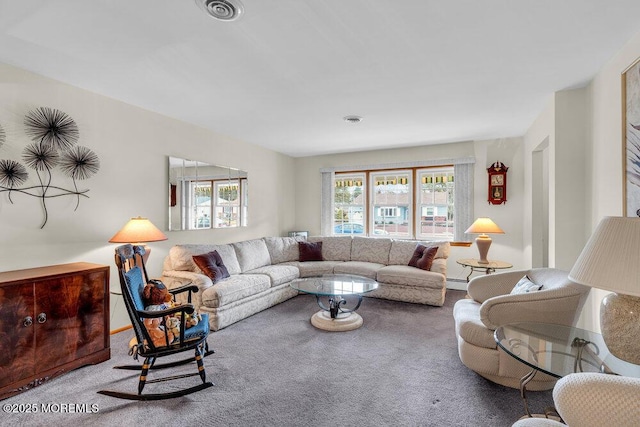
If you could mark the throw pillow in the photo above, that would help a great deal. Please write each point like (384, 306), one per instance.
(310, 251)
(211, 264)
(525, 285)
(423, 257)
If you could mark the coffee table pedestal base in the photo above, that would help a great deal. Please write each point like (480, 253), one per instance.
(322, 320)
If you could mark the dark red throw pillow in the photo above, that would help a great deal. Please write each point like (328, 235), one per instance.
(423, 257)
(211, 264)
(310, 251)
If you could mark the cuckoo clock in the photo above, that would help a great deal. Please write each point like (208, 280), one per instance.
(497, 183)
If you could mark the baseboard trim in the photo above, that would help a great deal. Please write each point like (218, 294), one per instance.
(124, 328)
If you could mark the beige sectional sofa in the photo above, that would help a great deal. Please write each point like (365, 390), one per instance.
(262, 269)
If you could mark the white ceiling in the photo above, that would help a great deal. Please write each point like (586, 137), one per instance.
(284, 75)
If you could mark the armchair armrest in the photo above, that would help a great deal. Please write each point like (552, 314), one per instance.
(481, 288)
(184, 288)
(590, 399)
(557, 306)
(182, 308)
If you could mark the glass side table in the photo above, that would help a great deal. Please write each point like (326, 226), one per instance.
(558, 350)
(488, 268)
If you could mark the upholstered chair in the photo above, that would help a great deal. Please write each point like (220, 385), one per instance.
(491, 304)
(593, 400)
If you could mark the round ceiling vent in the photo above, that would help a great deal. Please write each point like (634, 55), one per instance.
(352, 119)
(222, 10)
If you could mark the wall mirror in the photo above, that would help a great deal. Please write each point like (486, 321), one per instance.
(204, 196)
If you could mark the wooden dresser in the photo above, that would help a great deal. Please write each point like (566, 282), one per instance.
(52, 320)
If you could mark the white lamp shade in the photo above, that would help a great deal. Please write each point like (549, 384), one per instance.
(138, 230)
(611, 258)
(484, 225)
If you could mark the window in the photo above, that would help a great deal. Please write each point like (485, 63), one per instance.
(391, 200)
(435, 204)
(406, 203)
(226, 207)
(200, 204)
(217, 203)
(348, 202)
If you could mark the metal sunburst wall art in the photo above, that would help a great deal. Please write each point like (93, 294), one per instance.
(54, 135)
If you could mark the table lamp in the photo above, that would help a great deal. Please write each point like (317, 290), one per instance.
(137, 231)
(483, 226)
(610, 261)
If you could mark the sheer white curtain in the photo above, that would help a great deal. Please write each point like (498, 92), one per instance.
(463, 202)
(463, 199)
(326, 216)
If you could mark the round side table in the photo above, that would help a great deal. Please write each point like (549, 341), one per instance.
(488, 268)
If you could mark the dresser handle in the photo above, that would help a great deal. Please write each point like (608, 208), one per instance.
(28, 321)
(42, 317)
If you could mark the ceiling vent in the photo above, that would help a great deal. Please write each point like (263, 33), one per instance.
(222, 10)
(352, 119)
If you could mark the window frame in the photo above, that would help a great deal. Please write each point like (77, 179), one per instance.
(413, 204)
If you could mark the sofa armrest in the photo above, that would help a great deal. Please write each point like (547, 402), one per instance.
(200, 280)
(481, 288)
(558, 306)
(439, 265)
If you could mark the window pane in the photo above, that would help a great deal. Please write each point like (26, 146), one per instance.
(227, 204)
(349, 202)
(392, 203)
(435, 204)
(200, 205)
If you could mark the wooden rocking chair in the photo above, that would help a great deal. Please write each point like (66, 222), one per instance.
(133, 280)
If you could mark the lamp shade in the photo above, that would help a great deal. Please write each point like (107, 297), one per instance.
(611, 258)
(484, 226)
(138, 230)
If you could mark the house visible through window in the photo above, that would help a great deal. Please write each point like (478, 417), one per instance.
(217, 203)
(406, 203)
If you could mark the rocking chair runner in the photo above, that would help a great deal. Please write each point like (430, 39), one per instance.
(133, 280)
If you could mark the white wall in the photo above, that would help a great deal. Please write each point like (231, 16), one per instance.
(133, 145)
(604, 161)
(507, 247)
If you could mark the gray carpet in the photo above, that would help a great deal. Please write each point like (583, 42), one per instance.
(275, 369)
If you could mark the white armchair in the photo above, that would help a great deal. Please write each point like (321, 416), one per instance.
(491, 304)
(593, 400)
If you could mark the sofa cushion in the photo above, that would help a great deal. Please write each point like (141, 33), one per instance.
(252, 254)
(402, 250)
(423, 257)
(211, 264)
(334, 248)
(282, 249)
(317, 268)
(359, 268)
(181, 257)
(235, 288)
(310, 251)
(369, 249)
(410, 276)
(278, 274)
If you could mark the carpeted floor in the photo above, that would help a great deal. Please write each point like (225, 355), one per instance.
(275, 369)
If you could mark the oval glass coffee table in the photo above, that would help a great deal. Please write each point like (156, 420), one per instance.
(335, 316)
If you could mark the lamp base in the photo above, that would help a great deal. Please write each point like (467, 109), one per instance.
(483, 241)
(620, 325)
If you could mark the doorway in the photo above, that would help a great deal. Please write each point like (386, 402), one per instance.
(540, 205)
